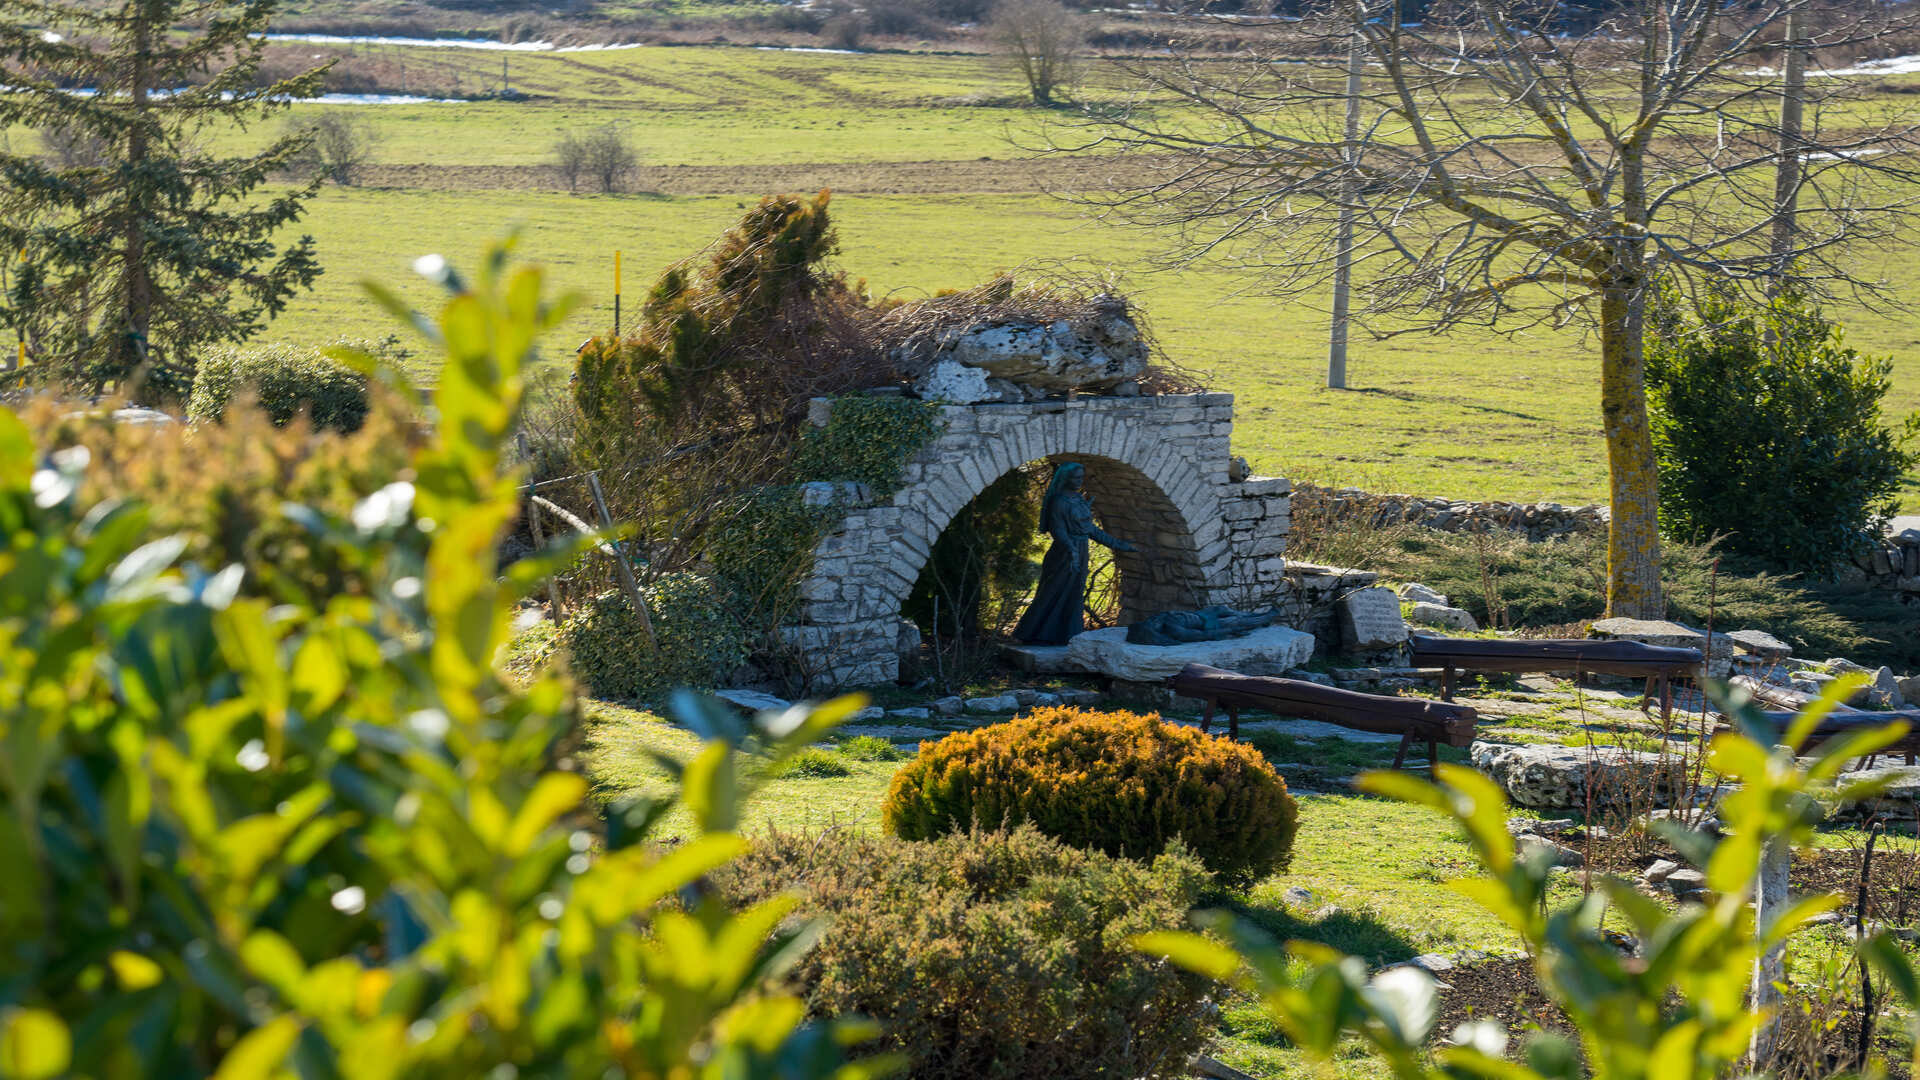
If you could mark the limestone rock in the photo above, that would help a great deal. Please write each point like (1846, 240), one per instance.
(1760, 643)
(1898, 802)
(1547, 776)
(998, 703)
(753, 700)
(1370, 619)
(1884, 691)
(1687, 883)
(1557, 854)
(1660, 871)
(1269, 650)
(911, 713)
(1295, 896)
(954, 382)
(1452, 618)
(1080, 698)
(1520, 826)
(835, 493)
(1910, 688)
(948, 706)
(1416, 593)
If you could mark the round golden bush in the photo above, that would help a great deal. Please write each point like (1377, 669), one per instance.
(1116, 782)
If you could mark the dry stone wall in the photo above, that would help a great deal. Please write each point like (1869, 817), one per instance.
(1538, 521)
(1158, 475)
(1893, 563)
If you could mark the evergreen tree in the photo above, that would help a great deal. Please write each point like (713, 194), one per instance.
(139, 255)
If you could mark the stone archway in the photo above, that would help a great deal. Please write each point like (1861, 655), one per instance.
(1158, 470)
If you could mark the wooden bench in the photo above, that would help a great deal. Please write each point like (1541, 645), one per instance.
(1413, 719)
(1836, 724)
(1659, 664)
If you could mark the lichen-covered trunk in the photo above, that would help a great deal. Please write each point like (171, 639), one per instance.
(1633, 539)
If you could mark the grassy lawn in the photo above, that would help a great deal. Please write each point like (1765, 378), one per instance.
(1377, 871)
(1467, 415)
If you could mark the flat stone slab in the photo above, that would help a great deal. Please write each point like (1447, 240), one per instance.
(1547, 776)
(1760, 643)
(1314, 729)
(1269, 650)
(753, 700)
(1041, 659)
(892, 732)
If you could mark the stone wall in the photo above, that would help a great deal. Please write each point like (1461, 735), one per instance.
(1538, 521)
(1157, 472)
(1893, 563)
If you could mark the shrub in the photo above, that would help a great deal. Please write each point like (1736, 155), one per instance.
(1769, 430)
(992, 954)
(244, 839)
(220, 487)
(1114, 781)
(340, 146)
(700, 636)
(287, 379)
(813, 763)
(871, 748)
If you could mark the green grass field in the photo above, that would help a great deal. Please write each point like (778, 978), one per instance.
(904, 141)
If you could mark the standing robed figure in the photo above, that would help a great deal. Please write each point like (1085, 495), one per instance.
(1057, 611)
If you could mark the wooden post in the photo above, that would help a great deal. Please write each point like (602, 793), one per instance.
(1343, 239)
(621, 566)
(1769, 900)
(1787, 170)
(555, 607)
(616, 295)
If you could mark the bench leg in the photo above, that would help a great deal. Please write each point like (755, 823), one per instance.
(1206, 717)
(1433, 757)
(1646, 696)
(1446, 684)
(1666, 698)
(1400, 759)
(1233, 721)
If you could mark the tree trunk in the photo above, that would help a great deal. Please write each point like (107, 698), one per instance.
(1633, 538)
(132, 350)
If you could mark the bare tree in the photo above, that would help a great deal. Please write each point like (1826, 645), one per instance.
(339, 146)
(1508, 173)
(610, 157)
(1044, 40)
(570, 159)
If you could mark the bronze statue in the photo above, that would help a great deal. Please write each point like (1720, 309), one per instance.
(1215, 623)
(1058, 608)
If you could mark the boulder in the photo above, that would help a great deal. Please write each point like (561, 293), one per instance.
(1556, 854)
(1100, 353)
(1687, 883)
(753, 700)
(948, 706)
(1269, 650)
(1452, 618)
(1910, 688)
(1884, 691)
(1370, 620)
(1898, 802)
(1548, 776)
(1660, 871)
(998, 703)
(1415, 593)
(1760, 643)
(957, 383)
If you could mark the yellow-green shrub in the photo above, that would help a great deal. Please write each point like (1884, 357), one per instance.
(288, 380)
(1116, 782)
(991, 955)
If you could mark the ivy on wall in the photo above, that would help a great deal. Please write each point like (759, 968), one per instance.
(763, 547)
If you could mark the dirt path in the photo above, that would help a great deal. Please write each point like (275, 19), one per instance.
(977, 177)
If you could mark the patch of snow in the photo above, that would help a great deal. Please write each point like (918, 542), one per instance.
(807, 48)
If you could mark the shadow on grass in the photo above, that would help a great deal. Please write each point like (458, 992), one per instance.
(1358, 933)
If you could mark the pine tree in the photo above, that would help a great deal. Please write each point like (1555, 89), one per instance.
(138, 255)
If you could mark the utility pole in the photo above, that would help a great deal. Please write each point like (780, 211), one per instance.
(1343, 241)
(1786, 184)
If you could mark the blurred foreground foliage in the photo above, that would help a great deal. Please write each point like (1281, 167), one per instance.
(323, 838)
